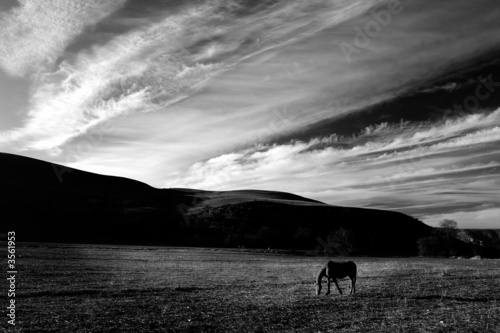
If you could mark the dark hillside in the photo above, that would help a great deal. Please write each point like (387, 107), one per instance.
(86, 207)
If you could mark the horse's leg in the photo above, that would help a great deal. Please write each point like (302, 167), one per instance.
(328, 291)
(335, 280)
(354, 277)
(353, 284)
(318, 287)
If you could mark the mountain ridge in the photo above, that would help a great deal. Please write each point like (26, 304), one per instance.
(87, 207)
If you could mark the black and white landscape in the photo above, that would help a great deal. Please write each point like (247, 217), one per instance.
(188, 166)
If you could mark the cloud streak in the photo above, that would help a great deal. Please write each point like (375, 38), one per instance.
(397, 161)
(36, 33)
(143, 70)
(259, 94)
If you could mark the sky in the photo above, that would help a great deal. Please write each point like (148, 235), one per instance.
(378, 104)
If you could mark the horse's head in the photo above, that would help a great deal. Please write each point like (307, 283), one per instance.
(318, 288)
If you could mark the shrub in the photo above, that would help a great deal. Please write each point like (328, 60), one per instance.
(342, 241)
(430, 246)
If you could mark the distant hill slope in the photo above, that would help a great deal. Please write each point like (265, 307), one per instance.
(44, 202)
(483, 237)
(219, 198)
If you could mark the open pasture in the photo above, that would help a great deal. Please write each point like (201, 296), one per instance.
(99, 288)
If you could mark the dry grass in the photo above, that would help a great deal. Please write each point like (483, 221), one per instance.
(80, 288)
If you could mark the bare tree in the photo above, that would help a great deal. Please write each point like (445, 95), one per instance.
(449, 228)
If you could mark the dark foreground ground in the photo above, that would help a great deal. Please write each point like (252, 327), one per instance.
(97, 288)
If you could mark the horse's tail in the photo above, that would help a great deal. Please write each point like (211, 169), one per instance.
(320, 274)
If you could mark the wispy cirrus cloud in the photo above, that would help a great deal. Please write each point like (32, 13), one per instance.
(399, 167)
(36, 33)
(258, 94)
(147, 68)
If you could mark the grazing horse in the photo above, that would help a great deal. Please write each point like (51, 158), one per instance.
(336, 270)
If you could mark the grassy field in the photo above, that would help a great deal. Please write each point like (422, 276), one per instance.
(97, 288)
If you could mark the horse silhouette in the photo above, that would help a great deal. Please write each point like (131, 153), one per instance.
(337, 270)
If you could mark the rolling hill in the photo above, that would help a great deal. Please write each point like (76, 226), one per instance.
(46, 202)
(482, 237)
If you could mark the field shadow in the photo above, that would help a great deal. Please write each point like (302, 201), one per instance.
(459, 299)
(95, 292)
(187, 289)
(106, 292)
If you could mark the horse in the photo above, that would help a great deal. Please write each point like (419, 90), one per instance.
(337, 270)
